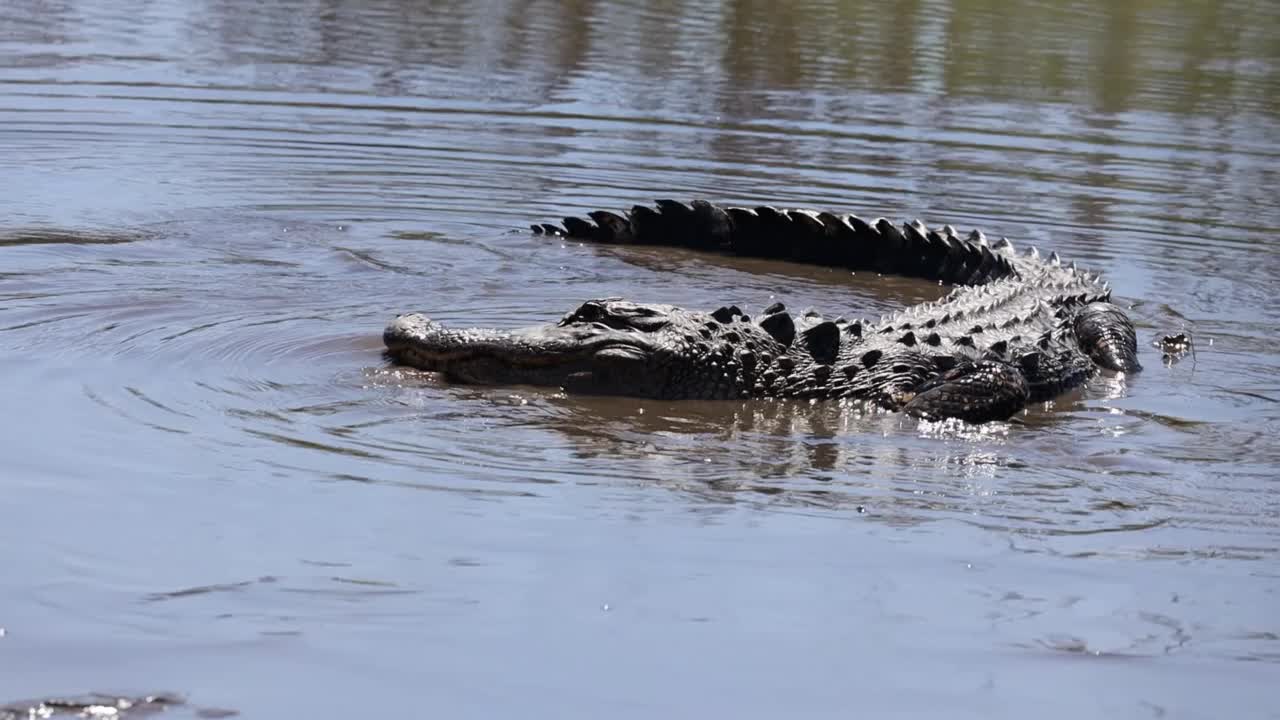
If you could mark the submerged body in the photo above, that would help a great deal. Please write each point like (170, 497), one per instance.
(1019, 329)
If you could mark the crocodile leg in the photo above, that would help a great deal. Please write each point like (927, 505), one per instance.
(975, 392)
(1106, 335)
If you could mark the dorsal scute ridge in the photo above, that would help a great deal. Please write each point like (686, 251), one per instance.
(823, 237)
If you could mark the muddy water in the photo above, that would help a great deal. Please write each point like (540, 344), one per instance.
(213, 485)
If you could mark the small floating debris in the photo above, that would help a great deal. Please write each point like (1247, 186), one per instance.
(93, 705)
(1175, 347)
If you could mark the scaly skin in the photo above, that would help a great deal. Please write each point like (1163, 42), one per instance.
(1020, 329)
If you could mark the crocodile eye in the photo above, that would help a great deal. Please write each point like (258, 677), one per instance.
(589, 311)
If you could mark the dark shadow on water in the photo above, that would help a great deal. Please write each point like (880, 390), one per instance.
(56, 236)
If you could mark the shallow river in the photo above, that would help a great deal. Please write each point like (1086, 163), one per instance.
(213, 484)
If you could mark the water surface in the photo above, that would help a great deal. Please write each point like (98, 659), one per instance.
(215, 486)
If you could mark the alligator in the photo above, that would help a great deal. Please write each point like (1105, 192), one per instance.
(1017, 328)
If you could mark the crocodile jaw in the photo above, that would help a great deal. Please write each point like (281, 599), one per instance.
(588, 359)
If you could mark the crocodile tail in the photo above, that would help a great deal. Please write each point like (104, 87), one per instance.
(808, 236)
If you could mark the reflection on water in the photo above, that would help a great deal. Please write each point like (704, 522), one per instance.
(208, 210)
(1165, 57)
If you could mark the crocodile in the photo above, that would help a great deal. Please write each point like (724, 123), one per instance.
(1016, 328)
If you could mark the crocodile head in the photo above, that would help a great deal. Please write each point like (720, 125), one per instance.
(605, 347)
